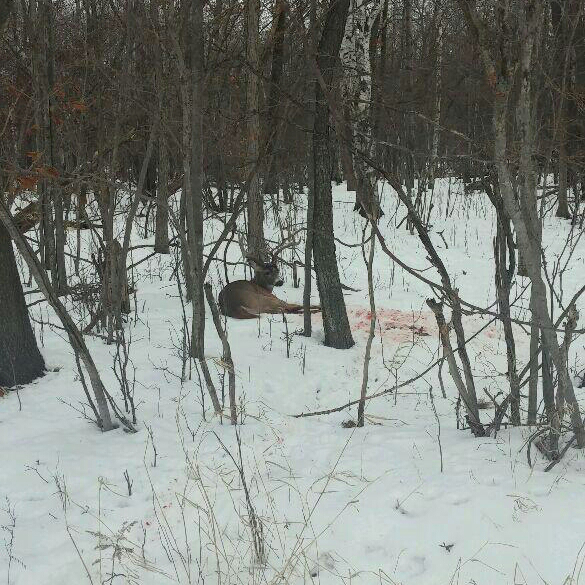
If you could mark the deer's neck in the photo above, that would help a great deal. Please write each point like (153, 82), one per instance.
(263, 285)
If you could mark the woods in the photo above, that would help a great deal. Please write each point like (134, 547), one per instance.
(410, 172)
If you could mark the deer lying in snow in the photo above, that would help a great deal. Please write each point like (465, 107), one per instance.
(245, 299)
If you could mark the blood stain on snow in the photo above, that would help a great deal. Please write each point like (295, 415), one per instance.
(399, 325)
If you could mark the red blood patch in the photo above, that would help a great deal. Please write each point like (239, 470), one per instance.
(400, 325)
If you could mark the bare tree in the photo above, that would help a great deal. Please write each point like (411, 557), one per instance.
(355, 56)
(518, 26)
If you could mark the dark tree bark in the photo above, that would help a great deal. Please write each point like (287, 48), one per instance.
(562, 36)
(5, 8)
(308, 330)
(58, 270)
(20, 359)
(533, 376)
(195, 198)
(161, 234)
(380, 74)
(281, 11)
(335, 321)
(503, 278)
(345, 142)
(256, 243)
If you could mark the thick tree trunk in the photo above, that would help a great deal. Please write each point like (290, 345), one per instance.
(20, 359)
(335, 321)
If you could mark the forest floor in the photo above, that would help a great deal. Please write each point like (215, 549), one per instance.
(408, 499)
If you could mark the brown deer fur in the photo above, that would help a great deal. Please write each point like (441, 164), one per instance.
(244, 299)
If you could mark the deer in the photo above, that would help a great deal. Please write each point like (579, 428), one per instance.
(247, 299)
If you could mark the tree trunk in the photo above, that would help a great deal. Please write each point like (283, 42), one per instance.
(504, 274)
(437, 105)
(335, 321)
(280, 13)
(161, 231)
(380, 73)
(309, 238)
(559, 17)
(406, 81)
(58, 270)
(533, 370)
(195, 198)
(5, 8)
(563, 205)
(20, 359)
(355, 56)
(256, 244)
(503, 280)
(346, 159)
(161, 234)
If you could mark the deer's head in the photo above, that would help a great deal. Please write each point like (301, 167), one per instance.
(266, 272)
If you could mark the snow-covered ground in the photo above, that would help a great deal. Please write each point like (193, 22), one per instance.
(335, 504)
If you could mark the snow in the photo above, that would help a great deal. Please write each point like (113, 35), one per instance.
(337, 505)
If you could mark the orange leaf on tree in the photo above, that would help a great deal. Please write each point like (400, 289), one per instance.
(78, 106)
(27, 181)
(48, 171)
